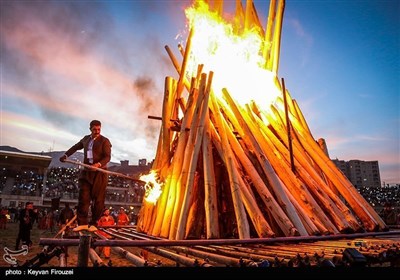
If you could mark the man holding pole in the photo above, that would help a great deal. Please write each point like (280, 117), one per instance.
(92, 182)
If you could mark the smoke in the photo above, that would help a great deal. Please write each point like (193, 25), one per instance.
(71, 62)
(36, 33)
(144, 90)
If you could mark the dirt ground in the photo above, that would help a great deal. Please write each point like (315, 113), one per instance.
(8, 238)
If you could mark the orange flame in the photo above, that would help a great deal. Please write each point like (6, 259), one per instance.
(152, 187)
(235, 59)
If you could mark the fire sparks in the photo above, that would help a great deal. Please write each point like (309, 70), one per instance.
(152, 187)
(236, 59)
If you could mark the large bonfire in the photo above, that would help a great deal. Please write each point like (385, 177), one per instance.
(235, 157)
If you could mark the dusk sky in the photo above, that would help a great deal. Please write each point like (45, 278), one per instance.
(64, 63)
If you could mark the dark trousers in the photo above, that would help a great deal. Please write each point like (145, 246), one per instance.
(24, 235)
(92, 193)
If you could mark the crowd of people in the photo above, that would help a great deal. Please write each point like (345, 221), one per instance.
(63, 182)
(53, 220)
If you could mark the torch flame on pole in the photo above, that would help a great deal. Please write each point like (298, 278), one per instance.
(152, 187)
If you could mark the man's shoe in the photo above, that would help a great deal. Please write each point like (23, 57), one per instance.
(81, 227)
(92, 228)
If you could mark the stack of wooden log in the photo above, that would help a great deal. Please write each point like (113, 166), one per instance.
(231, 170)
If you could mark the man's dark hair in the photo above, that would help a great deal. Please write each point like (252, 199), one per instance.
(94, 123)
(28, 202)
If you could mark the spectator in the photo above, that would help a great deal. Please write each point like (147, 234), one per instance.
(105, 220)
(388, 214)
(66, 215)
(26, 218)
(123, 218)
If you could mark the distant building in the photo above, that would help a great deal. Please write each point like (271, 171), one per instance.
(23, 176)
(360, 173)
(132, 170)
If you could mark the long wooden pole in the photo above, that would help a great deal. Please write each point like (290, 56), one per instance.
(272, 205)
(276, 45)
(315, 183)
(268, 33)
(188, 187)
(227, 156)
(210, 188)
(167, 202)
(105, 171)
(163, 242)
(289, 137)
(274, 181)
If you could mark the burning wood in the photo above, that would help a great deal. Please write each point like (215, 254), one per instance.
(240, 164)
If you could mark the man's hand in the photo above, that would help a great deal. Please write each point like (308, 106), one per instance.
(63, 158)
(96, 165)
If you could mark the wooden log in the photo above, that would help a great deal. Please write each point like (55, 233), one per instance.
(238, 20)
(165, 195)
(166, 212)
(289, 137)
(144, 216)
(284, 171)
(181, 259)
(276, 43)
(184, 169)
(182, 71)
(161, 206)
(193, 157)
(95, 258)
(237, 252)
(322, 144)
(260, 224)
(324, 199)
(296, 112)
(307, 229)
(156, 164)
(279, 215)
(150, 214)
(268, 33)
(248, 18)
(226, 211)
(301, 117)
(364, 211)
(312, 227)
(181, 162)
(169, 107)
(218, 258)
(320, 188)
(273, 180)
(63, 259)
(177, 66)
(134, 259)
(68, 224)
(196, 213)
(83, 250)
(210, 188)
(227, 156)
(206, 242)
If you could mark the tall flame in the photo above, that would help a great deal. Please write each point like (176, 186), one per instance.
(236, 59)
(152, 187)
